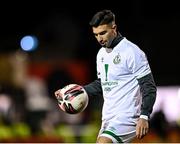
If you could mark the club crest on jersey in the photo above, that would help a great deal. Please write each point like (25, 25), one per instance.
(117, 59)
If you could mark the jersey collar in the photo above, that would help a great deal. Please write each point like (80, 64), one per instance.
(116, 40)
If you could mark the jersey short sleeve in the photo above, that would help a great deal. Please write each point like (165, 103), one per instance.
(137, 62)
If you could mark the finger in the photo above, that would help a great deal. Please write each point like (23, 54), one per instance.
(57, 92)
(144, 131)
(141, 133)
(138, 132)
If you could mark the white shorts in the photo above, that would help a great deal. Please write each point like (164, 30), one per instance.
(118, 133)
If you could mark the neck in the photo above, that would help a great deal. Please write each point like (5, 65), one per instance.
(116, 40)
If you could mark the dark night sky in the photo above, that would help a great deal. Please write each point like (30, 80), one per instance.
(154, 26)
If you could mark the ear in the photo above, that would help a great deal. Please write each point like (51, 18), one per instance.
(114, 26)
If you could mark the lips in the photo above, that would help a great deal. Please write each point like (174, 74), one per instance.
(103, 43)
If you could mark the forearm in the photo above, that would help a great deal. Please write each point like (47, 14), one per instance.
(148, 89)
(94, 88)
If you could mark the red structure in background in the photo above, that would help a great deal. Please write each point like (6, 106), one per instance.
(78, 70)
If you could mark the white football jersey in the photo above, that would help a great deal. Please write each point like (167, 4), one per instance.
(119, 71)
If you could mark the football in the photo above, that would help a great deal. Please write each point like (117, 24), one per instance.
(72, 99)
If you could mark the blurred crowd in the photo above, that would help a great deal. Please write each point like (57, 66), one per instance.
(29, 110)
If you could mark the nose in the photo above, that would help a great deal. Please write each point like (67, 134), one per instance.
(99, 38)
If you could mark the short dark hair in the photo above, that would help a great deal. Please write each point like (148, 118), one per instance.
(102, 17)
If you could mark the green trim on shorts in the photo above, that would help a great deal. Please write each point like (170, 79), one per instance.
(113, 135)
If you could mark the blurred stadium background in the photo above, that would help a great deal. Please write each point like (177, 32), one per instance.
(44, 46)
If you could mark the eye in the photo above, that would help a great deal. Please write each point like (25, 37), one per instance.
(95, 35)
(102, 33)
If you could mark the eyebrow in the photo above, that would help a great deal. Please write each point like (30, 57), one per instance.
(101, 33)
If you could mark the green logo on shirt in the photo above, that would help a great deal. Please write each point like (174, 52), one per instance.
(117, 59)
(106, 70)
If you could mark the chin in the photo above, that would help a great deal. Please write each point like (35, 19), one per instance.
(104, 46)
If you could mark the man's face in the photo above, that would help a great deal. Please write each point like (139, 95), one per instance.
(105, 34)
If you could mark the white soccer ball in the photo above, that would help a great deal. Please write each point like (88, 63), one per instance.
(73, 99)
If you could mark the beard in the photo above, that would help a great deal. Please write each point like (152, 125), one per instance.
(106, 44)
